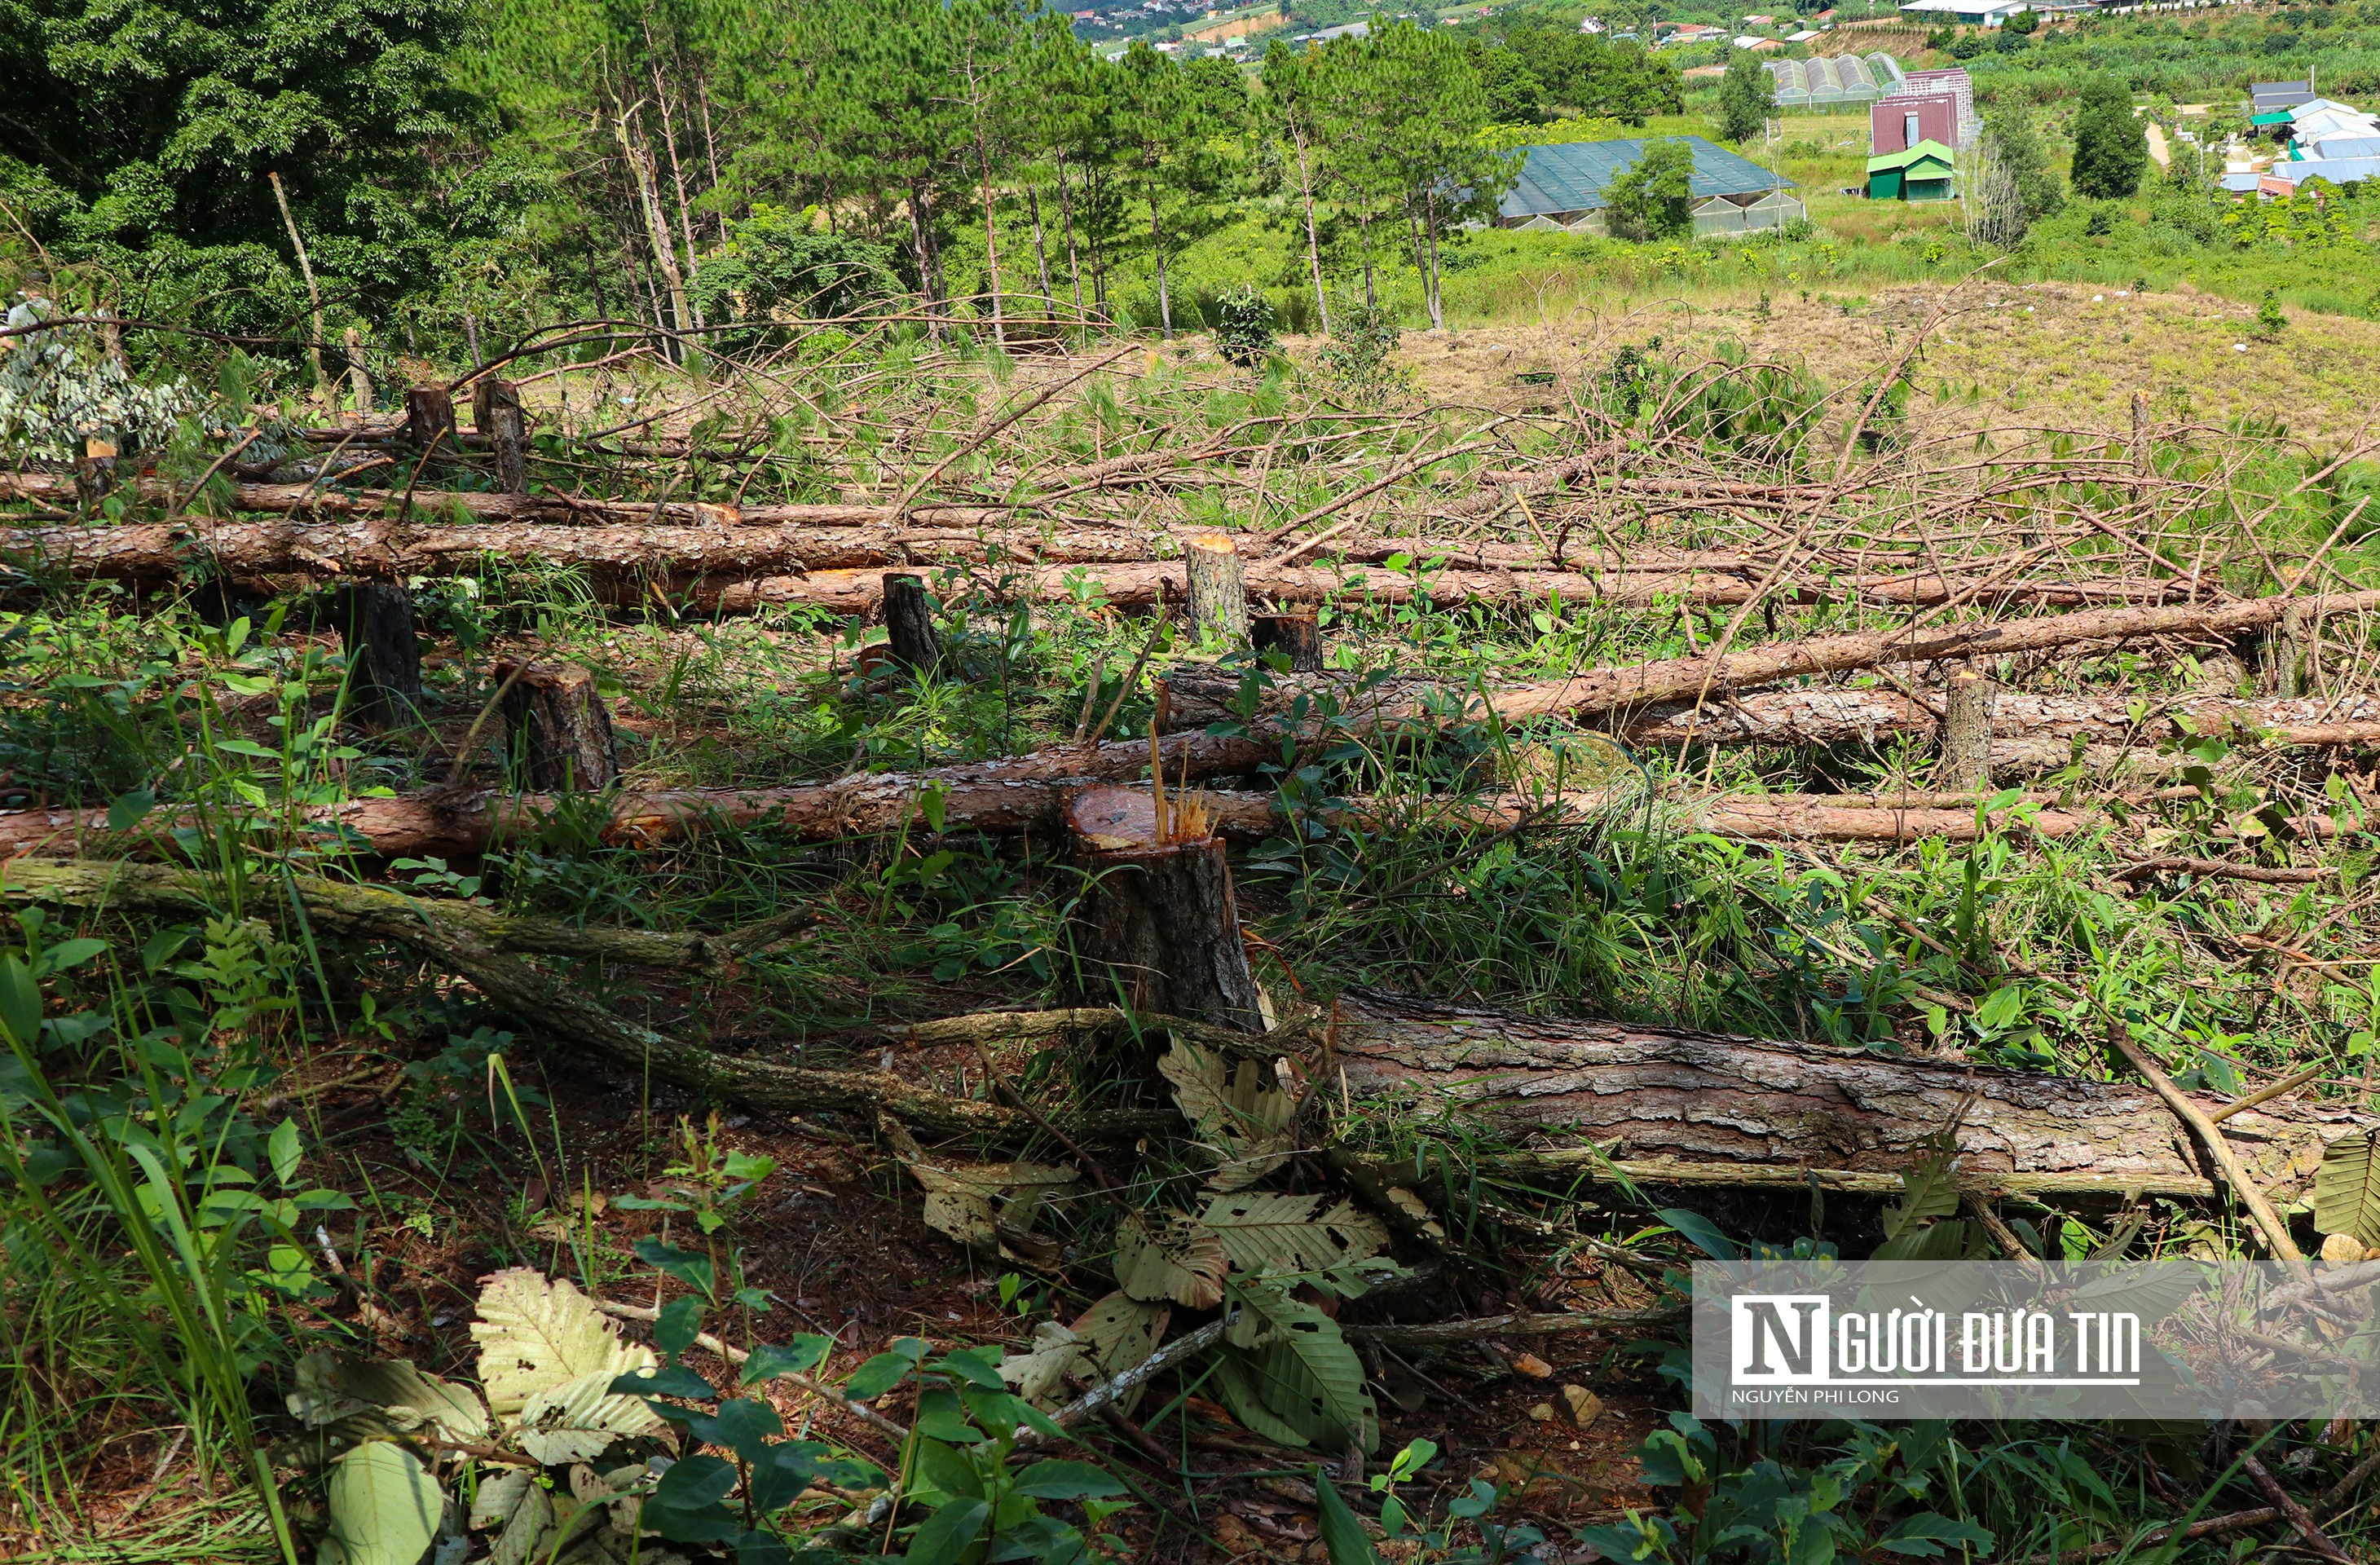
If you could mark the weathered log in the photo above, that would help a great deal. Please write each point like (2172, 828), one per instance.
(1752, 1112)
(558, 731)
(909, 622)
(496, 414)
(383, 654)
(430, 419)
(1158, 927)
(723, 560)
(1297, 638)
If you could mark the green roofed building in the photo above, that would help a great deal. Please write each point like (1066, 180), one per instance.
(1922, 173)
(1562, 188)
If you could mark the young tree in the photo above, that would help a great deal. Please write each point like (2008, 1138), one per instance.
(2111, 152)
(1292, 115)
(1745, 95)
(1515, 94)
(1654, 199)
(1426, 110)
(1157, 119)
(2014, 184)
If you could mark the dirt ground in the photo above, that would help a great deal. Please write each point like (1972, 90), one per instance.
(2043, 353)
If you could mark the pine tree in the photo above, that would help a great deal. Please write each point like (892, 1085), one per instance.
(2111, 152)
(1292, 116)
(1745, 95)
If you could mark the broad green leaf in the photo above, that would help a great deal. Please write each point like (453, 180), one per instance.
(285, 1151)
(20, 1003)
(878, 1375)
(743, 1424)
(690, 1266)
(946, 1533)
(697, 1481)
(1182, 1259)
(536, 1336)
(680, 1323)
(1699, 1231)
(1928, 1535)
(1260, 1232)
(1067, 1480)
(947, 1472)
(805, 1352)
(385, 1508)
(1342, 1535)
(2347, 1188)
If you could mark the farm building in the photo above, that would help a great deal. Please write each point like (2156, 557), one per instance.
(1959, 85)
(1900, 122)
(1973, 13)
(1918, 173)
(1826, 83)
(2271, 97)
(1564, 187)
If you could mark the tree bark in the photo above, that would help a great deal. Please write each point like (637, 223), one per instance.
(1216, 577)
(430, 419)
(558, 731)
(909, 619)
(657, 233)
(1749, 1111)
(1297, 638)
(1158, 929)
(1969, 700)
(496, 416)
(383, 654)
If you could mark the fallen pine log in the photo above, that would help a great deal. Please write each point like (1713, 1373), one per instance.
(2027, 729)
(1669, 1105)
(1019, 800)
(1673, 1106)
(744, 567)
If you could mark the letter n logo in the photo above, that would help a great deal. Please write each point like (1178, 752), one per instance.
(1778, 1338)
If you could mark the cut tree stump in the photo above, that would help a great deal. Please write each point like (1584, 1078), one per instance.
(558, 732)
(496, 415)
(430, 419)
(1160, 928)
(383, 655)
(909, 617)
(1969, 698)
(1218, 577)
(1297, 638)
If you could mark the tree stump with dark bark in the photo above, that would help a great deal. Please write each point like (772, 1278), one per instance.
(430, 418)
(1970, 701)
(558, 732)
(1159, 926)
(496, 414)
(1297, 638)
(383, 655)
(909, 620)
(1219, 587)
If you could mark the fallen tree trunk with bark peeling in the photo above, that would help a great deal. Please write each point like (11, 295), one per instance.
(2029, 731)
(1697, 1107)
(832, 557)
(1668, 1104)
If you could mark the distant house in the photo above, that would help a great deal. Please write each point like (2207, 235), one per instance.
(1900, 122)
(1922, 173)
(1970, 13)
(2271, 97)
(1562, 188)
(1955, 82)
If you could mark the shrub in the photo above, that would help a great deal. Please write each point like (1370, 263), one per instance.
(1243, 327)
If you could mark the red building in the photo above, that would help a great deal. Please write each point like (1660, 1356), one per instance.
(1899, 123)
